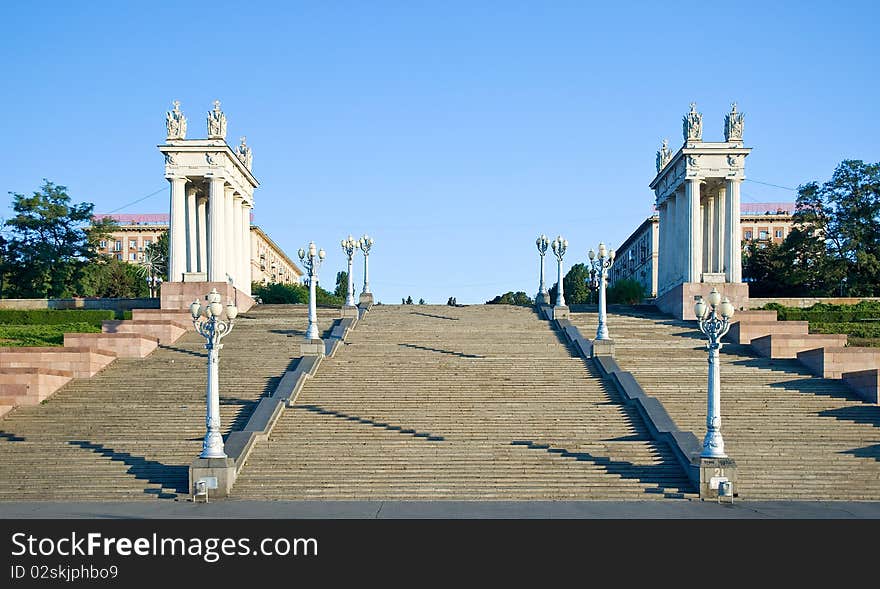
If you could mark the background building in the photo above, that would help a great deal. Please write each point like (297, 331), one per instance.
(269, 263)
(637, 256)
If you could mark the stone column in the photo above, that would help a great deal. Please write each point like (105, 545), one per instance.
(672, 245)
(709, 233)
(246, 246)
(694, 247)
(201, 219)
(216, 224)
(236, 264)
(720, 240)
(662, 224)
(191, 231)
(733, 249)
(229, 237)
(177, 231)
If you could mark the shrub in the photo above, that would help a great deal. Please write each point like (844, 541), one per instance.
(54, 317)
(276, 293)
(41, 335)
(626, 292)
(826, 313)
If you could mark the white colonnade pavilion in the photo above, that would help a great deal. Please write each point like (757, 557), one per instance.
(212, 190)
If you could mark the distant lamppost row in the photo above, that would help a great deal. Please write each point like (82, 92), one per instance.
(559, 246)
(213, 329)
(601, 265)
(714, 320)
(349, 245)
(543, 243)
(365, 243)
(312, 260)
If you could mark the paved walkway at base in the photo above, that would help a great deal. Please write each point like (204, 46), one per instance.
(446, 510)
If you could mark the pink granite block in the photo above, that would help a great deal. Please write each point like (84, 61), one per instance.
(864, 383)
(788, 345)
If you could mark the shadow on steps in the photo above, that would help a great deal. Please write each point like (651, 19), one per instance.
(459, 354)
(648, 474)
(394, 428)
(170, 477)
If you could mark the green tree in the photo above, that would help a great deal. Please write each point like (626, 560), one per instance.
(109, 277)
(836, 240)
(156, 257)
(50, 243)
(341, 284)
(512, 298)
(626, 292)
(575, 286)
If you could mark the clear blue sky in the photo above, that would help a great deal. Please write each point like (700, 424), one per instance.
(453, 132)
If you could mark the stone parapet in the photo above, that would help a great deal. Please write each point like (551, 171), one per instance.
(180, 295)
(834, 361)
(679, 300)
(29, 386)
(81, 361)
(743, 332)
(788, 345)
(179, 317)
(124, 345)
(167, 331)
(864, 383)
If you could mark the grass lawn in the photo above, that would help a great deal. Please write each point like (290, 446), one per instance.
(41, 335)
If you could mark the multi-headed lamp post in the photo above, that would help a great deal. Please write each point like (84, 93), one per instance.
(559, 246)
(349, 246)
(365, 243)
(601, 265)
(714, 320)
(213, 329)
(543, 243)
(312, 259)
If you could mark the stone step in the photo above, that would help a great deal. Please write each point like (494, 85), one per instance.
(167, 331)
(124, 345)
(788, 345)
(82, 361)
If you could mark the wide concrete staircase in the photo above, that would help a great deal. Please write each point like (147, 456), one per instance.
(131, 431)
(439, 402)
(793, 435)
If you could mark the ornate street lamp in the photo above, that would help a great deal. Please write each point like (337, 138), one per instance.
(213, 329)
(559, 246)
(349, 246)
(714, 320)
(543, 243)
(365, 243)
(312, 260)
(600, 265)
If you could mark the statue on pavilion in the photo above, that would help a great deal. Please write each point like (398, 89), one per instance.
(664, 155)
(175, 122)
(733, 125)
(244, 153)
(693, 124)
(216, 122)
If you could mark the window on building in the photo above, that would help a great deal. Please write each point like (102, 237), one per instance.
(748, 234)
(779, 233)
(133, 257)
(119, 257)
(764, 234)
(117, 247)
(132, 243)
(103, 243)
(148, 242)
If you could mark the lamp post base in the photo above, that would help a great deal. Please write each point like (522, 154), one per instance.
(366, 298)
(714, 473)
(312, 347)
(349, 311)
(542, 298)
